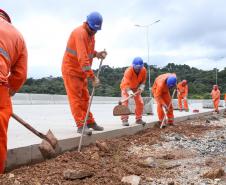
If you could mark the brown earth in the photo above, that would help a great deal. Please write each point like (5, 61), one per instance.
(110, 162)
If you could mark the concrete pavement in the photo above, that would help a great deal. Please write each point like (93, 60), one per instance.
(58, 118)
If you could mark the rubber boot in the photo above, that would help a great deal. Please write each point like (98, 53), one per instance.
(87, 131)
(94, 126)
(125, 123)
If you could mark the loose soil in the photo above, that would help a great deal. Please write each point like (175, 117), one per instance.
(186, 153)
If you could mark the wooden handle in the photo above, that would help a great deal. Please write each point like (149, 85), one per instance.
(122, 101)
(29, 127)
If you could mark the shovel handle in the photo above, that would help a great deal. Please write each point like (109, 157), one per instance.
(29, 127)
(122, 101)
(89, 105)
(165, 112)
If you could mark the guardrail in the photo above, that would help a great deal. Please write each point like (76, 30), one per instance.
(37, 99)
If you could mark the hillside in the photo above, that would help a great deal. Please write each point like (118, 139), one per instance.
(200, 81)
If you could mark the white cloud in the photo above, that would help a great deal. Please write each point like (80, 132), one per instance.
(190, 32)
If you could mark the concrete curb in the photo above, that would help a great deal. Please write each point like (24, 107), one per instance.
(31, 154)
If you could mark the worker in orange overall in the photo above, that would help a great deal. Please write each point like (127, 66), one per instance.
(76, 69)
(13, 73)
(182, 94)
(216, 97)
(134, 80)
(161, 92)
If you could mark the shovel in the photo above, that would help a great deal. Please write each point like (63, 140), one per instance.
(165, 112)
(88, 109)
(49, 143)
(120, 110)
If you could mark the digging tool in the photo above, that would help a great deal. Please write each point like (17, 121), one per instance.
(46, 148)
(87, 113)
(120, 109)
(165, 112)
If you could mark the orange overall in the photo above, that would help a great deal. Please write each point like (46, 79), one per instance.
(76, 68)
(162, 97)
(182, 93)
(13, 73)
(132, 81)
(216, 98)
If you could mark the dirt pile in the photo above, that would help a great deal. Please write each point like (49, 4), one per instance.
(182, 154)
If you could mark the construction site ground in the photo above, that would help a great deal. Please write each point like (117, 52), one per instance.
(58, 118)
(191, 152)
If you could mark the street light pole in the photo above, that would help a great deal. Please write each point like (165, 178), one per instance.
(147, 39)
(216, 76)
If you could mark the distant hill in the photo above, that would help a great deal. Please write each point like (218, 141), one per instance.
(200, 81)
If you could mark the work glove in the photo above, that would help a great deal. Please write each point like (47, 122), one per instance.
(130, 93)
(101, 54)
(95, 82)
(141, 87)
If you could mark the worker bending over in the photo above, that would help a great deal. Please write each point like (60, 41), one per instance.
(161, 91)
(134, 81)
(182, 94)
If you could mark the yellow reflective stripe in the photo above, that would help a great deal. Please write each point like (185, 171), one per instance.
(86, 68)
(4, 53)
(71, 51)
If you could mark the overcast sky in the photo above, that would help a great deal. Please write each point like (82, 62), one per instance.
(191, 32)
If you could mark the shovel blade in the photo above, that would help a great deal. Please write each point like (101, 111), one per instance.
(121, 110)
(47, 150)
(52, 139)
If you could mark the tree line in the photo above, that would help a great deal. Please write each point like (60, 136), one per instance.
(200, 82)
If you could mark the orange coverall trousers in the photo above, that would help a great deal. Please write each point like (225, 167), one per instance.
(216, 104)
(138, 103)
(167, 100)
(180, 99)
(5, 113)
(78, 96)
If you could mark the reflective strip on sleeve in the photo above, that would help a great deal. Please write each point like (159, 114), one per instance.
(4, 53)
(71, 51)
(86, 68)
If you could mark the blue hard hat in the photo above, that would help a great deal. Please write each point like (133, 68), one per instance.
(138, 63)
(94, 21)
(171, 81)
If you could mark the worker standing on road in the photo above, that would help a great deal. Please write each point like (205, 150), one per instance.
(216, 97)
(134, 80)
(13, 73)
(182, 94)
(76, 69)
(161, 91)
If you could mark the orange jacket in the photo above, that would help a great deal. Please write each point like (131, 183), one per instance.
(183, 90)
(224, 97)
(79, 53)
(13, 56)
(131, 80)
(160, 87)
(216, 94)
